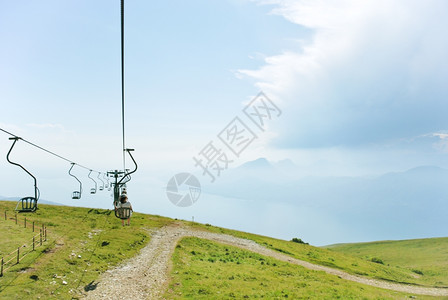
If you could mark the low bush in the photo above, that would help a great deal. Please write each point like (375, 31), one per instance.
(298, 241)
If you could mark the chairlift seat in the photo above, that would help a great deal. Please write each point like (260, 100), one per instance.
(123, 213)
(93, 191)
(76, 195)
(28, 204)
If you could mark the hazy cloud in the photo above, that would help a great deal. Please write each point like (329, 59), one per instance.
(373, 72)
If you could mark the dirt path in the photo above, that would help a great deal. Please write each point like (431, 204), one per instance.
(146, 275)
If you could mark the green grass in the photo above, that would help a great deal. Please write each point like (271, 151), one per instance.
(209, 270)
(427, 259)
(17, 235)
(82, 243)
(335, 259)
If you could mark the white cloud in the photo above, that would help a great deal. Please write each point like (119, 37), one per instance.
(373, 71)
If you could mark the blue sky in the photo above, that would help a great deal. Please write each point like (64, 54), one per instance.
(362, 86)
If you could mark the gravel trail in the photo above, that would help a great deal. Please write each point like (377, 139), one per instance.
(145, 276)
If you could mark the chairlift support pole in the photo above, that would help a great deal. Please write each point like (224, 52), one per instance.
(116, 174)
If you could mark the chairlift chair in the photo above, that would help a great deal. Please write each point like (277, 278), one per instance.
(26, 204)
(76, 194)
(123, 213)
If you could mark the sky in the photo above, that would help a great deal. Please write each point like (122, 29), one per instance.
(361, 86)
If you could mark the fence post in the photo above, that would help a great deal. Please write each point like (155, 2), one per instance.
(1, 268)
(34, 238)
(41, 237)
(16, 218)
(25, 222)
(33, 226)
(45, 234)
(18, 255)
(5, 216)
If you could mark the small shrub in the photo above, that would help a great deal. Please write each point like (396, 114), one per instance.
(298, 241)
(377, 260)
(419, 272)
(34, 277)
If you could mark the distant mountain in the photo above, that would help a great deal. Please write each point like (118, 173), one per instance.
(41, 201)
(260, 164)
(410, 202)
(10, 198)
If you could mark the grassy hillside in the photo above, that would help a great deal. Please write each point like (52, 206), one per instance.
(83, 243)
(337, 259)
(209, 270)
(426, 258)
(16, 235)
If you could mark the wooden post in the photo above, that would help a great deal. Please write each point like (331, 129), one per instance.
(16, 218)
(18, 255)
(5, 215)
(33, 226)
(34, 238)
(41, 237)
(45, 233)
(1, 268)
(25, 222)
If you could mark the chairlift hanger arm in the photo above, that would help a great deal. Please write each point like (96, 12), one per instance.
(16, 164)
(80, 183)
(133, 171)
(102, 186)
(92, 178)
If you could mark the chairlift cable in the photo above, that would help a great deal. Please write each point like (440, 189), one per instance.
(48, 151)
(122, 82)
